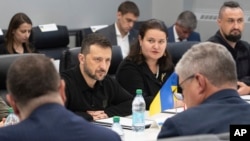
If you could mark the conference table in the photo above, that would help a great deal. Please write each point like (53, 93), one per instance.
(151, 133)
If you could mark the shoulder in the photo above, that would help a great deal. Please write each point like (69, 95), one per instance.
(106, 29)
(69, 74)
(128, 66)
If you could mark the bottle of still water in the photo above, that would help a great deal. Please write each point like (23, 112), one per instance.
(117, 127)
(138, 112)
(11, 118)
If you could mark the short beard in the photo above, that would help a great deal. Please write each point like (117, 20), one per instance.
(233, 38)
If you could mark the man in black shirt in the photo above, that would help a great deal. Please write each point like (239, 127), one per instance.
(231, 24)
(90, 92)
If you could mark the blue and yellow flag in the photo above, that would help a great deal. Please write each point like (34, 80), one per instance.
(164, 99)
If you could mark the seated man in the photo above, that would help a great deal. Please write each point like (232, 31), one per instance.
(208, 78)
(183, 29)
(37, 96)
(231, 25)
(90, 92)
(121, 33)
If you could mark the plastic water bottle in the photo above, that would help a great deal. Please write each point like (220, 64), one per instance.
(138, 112)
(117, 127)
(11, 118)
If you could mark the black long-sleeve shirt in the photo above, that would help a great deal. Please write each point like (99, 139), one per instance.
(106, 95)
(241, 55)
(132, 76)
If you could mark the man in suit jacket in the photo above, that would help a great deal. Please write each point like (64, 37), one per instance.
(121, 32)
(37, 96)
(208, 78)
(183, 29)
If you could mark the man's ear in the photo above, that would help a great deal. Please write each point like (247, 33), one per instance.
(62, 91)
(12, 103)
(81, 58)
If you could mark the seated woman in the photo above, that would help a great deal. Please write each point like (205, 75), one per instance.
(17, 36)
(148, 64)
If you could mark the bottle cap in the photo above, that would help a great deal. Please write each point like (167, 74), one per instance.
(10, 110)
(116, 119)
(138, 91)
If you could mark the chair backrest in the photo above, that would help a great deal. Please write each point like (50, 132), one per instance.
(51, 43)
(176, 50)
(69, 59)
(82, 34)
(2, 35)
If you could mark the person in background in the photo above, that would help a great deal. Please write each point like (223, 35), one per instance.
(38, 98)
(121, 32)
(90, 92)
(183, 29)
(148, 64)
(208, 78)
(17, 36)
(231, 25)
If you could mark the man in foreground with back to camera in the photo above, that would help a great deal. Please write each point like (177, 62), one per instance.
(91, 93)
(207, 76)
(37, 96)
(121, 33)
(231, 25)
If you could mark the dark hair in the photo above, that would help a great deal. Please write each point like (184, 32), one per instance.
(230, 4)
(32, 76)
(94, 38)
(129, 7)
(187, 19)
(14, 24)
(165, 62)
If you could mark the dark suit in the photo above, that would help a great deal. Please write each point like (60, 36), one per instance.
(110, 33)
(213, 116)
(194, 36)
(52, 122)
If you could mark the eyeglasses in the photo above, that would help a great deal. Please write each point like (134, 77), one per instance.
(180, 96)
(190, 77)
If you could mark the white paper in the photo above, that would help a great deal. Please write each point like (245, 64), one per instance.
(175, 110)
(94, 28)
(245, 97)
(48, 27)
(1, 31)
(56, 64)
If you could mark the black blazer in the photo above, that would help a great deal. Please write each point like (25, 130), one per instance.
(109, 32)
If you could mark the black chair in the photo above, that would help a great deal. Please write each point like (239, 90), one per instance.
(5, 62)
(176, 50)
(82, 34)
(51, 43)
(69, 59)
(2, 36)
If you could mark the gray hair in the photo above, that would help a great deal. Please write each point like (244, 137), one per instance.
(212, 60)
(187, 19)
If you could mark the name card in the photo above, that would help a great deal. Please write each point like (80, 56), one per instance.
(48, 27)
(1, 31)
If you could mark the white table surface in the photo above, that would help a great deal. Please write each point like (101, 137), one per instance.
(150, 134)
